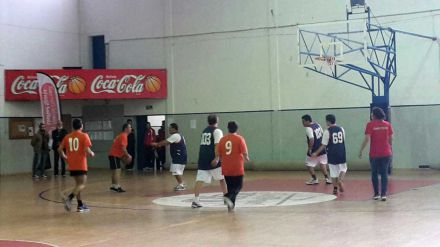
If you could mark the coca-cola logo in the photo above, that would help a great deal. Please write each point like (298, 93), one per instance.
(29, 85)
(111, 84)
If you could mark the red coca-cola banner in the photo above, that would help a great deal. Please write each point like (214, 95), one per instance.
(22, 85)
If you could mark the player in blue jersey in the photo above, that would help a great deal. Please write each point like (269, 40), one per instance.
(314, 137)
(334, 141)
(209, 165)
(178, 154)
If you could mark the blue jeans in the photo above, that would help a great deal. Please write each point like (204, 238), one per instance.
(380, 166)
(39, 163)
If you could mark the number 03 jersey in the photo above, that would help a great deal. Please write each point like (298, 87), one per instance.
(334, 138)
(231, 149)
(75, 145)
(210, 137)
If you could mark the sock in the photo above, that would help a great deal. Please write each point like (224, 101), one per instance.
(115, 186)
(71, 196)
(196, 199)
(80, 203)
(314, 177)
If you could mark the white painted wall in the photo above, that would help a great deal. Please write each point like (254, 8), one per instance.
(211, 69)
(33, 35)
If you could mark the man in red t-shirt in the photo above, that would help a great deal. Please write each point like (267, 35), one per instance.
(118, 151)
(380, 135)
(233, 152)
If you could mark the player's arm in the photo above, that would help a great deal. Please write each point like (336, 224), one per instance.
(218, 134)
(88, 145)
(309, 133)
(244, 150)
(61, 150)
(160, 144)
(364, 144)
(324, 143)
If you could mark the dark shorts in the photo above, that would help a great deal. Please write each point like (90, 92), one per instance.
(77, 173)
(115, 162)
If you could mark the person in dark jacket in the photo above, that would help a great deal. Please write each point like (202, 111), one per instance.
(40, 143)
(131, 147)
(57, 137)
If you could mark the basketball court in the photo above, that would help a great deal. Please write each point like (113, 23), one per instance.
(262, 63)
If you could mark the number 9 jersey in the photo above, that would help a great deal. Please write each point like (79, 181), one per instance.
(334, 139)
(75, 145)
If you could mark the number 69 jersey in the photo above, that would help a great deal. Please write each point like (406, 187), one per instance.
(334, 139)
(75, 145)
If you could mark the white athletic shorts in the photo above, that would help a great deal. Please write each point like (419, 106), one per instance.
(335, 170)
(206, 175)
(177, 169)
(313, 161)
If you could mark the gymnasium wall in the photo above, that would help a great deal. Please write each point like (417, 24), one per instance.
(226, 56)
(33, 35)
(241, 56)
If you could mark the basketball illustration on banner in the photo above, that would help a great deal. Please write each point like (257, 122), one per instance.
(152, 84)
(76, 85)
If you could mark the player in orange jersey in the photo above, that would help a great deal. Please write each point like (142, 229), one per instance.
(77, 146)
(117, 152)
(233, 152)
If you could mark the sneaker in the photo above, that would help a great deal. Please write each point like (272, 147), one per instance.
(83, 209)
(44, 176)
(312, 181)
(341, 186)
(114, 189)
(196, 205)
(376, 197)
(179, 188)
(120, 190)
(328, 180)
(229, 203)
(64, 175)
(36, 177)
(383, 198)
(67, 203)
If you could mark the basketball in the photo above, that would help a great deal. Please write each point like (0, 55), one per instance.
(126, 159)
(152, 84)
(77, 85)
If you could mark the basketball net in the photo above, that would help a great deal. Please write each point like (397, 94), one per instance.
(330, 60)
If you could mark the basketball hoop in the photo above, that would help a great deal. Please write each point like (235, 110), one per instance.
(330, 60)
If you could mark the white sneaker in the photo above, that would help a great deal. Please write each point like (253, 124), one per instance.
(229, 204)
(180, 187)
(312, 181)
(383, 198)
(328, 181)
(196, 204)
(376, 197)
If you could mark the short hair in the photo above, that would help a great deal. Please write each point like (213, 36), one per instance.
(307, 118)
(148, 123)
(125, 126)
(212, 119)
(129, 120)
(174, 126)
(77, 124)
(232, 127)
(330, 118)
(378, 113)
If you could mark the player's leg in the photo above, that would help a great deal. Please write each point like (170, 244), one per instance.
(374, 178)
(322, 159)
(115, 166)
(334, 172)
(217, 175)
(310, 164)
(81, 181)
(56, 161)
(342, 172)
(383, 168)
(202, 177)
(177, 171)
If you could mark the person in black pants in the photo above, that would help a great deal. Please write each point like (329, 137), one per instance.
(131, 147)
(150, 136)
(57, 137)
(161, 151)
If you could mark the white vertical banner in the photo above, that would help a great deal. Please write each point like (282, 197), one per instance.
(50, 105)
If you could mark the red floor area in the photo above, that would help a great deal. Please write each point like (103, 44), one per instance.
(13, 243)
(355, 190)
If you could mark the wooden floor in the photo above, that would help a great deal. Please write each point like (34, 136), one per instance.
(31, 210)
